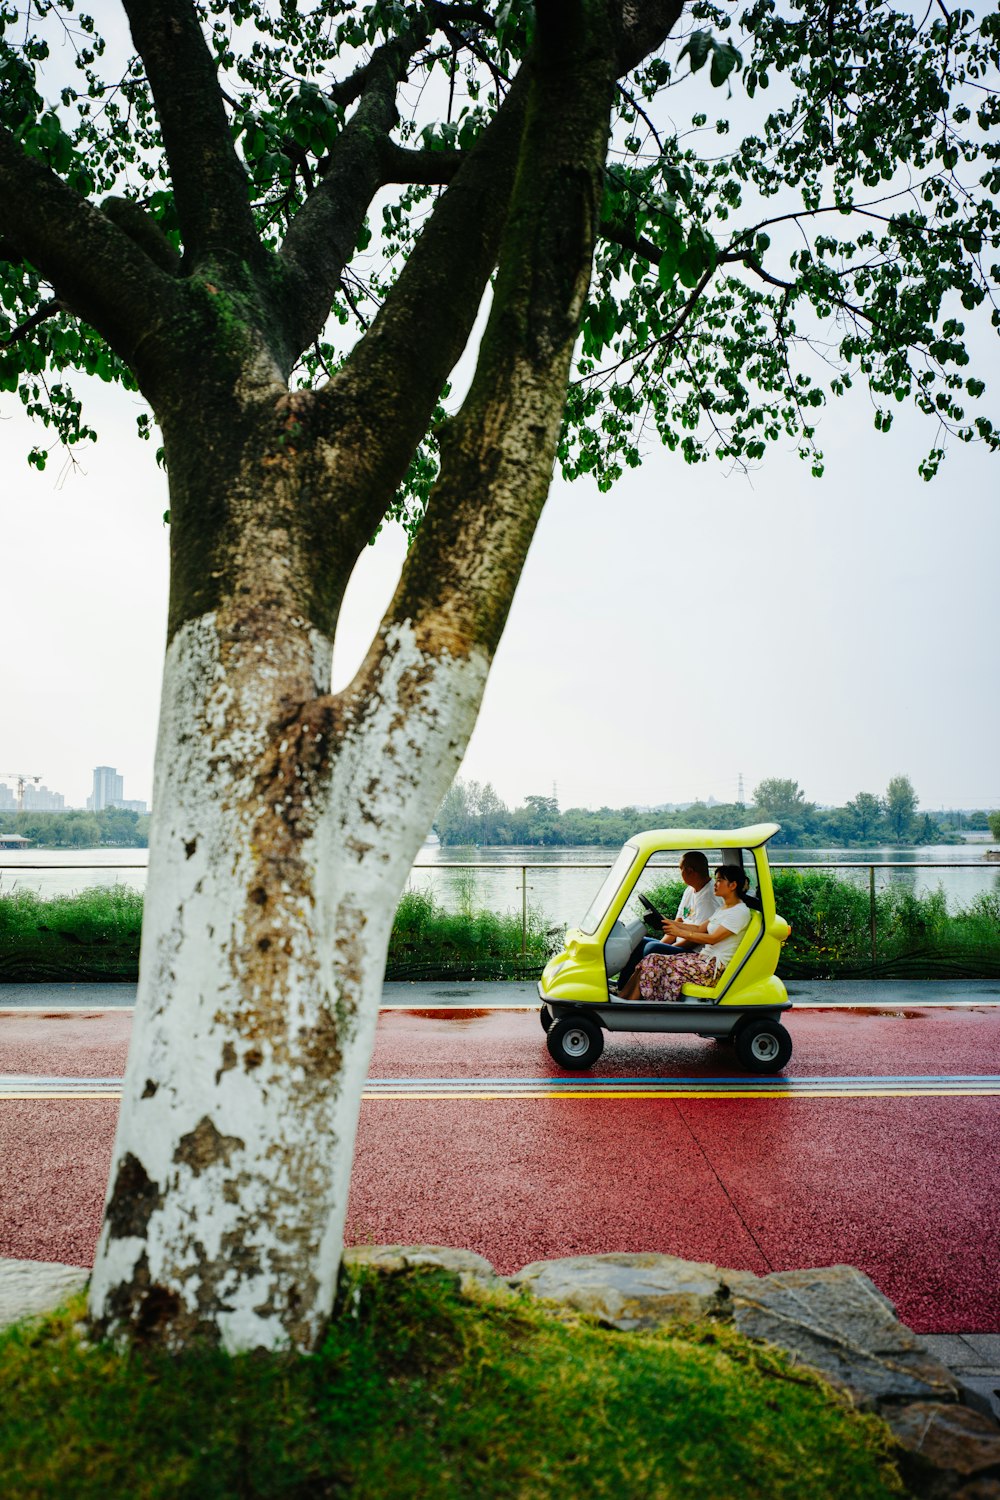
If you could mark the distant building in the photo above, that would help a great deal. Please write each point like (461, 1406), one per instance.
(108, 789)
(8, 802)
(40, 799)
(13, 841)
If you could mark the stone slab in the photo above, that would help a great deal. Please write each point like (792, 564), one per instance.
(981, 1392)
(629, 1291)
(465, 1265)
(955, 1350)
(836, 1321)
(31, 1287)
(953, 1442)
(985, 1348)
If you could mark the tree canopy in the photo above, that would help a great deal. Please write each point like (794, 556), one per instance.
(796, 196)
(473, 813)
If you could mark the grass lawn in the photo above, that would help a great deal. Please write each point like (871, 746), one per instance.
(420, 1392)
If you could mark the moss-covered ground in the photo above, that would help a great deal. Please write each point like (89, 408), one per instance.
(420, 1392)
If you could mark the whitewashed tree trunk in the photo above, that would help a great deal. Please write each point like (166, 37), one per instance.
(275, 869)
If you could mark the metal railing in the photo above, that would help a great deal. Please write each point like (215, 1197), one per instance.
(871, 866)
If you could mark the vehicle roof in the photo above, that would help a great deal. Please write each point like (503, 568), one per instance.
(752, 837)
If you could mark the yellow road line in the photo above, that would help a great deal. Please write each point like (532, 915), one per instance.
(77, 1094)
(427, 1094)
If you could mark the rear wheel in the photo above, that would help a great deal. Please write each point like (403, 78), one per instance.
(575, 1042)
(763, 1046)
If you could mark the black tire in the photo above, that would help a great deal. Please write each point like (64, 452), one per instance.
(545, 1016)
(763, 1046)
(575, 1042)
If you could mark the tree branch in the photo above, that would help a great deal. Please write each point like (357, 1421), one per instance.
(46, 311)
(401, 165)
(210, 186)
(497, 454)
(396, 371)
(645, 26)
(97, 271)
(400, 366)
(637, 243)
(633, 102)
(321, 238)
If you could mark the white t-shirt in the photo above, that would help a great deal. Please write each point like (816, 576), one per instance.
(697, 907)
(735, 918)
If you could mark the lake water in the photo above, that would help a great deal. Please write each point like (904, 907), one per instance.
(560, 892)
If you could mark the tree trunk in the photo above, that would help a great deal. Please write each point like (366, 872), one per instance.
(285, 822)
(285, 819)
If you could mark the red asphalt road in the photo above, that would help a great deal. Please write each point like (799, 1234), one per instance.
(907, 1188)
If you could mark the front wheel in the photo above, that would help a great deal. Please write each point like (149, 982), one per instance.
(575, 1043)
(545, 1016)
(763, 1046)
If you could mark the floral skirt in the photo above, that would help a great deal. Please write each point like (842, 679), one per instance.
(661, 975)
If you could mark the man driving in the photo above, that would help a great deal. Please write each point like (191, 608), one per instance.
(696, 906)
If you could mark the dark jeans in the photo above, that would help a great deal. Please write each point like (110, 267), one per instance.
(645, 948)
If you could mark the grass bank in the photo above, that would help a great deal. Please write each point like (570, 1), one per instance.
(428, 942)
(88, 937)
(418, 1391)
(94, 936)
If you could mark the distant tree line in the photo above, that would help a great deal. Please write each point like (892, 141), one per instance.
(113, 827)
(473, 813)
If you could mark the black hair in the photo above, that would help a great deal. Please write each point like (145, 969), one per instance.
(735, 873)
(696, 861)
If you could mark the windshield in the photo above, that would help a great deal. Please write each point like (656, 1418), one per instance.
(597, 909)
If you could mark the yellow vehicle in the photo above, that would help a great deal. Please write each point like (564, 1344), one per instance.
(742, 1007)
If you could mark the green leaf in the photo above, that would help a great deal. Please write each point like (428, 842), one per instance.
(697, 48)
(725, 59)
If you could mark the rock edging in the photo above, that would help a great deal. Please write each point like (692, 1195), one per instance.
(832, 1320)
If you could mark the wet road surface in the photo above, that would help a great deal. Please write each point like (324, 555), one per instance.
(876, 1146)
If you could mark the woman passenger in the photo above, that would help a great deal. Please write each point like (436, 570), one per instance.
(662, 975)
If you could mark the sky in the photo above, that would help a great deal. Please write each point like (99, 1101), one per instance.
(688, 627)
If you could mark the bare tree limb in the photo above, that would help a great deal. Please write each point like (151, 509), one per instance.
(400, 365)
(497, 453)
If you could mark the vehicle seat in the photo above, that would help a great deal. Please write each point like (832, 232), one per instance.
(714, 992)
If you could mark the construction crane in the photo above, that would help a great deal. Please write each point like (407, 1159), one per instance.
(20, 778)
